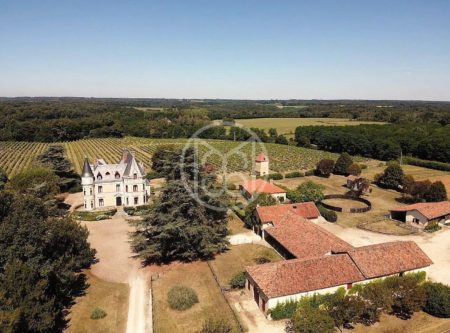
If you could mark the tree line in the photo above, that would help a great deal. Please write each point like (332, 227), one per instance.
(384, 142)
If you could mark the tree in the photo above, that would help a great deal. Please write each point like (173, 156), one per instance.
(407, 184)
(273, 132)
(304, 141)
(308, 191)
(188, 221)
(378, 299)
(325, 167)
(392, 176)
(3, 179)
(308, 319)
(38, 181)
(420, 189)
(162, 158)
(263, 199)
(40, 261)
(344, 309)
(281, 140)
(436, 192)
(408, 295)
(342, 164)
(354, 169)
(438, 299)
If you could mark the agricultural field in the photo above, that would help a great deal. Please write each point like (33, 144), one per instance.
(288, 125)
(19, 155)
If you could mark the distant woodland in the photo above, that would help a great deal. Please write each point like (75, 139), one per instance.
(420, 129)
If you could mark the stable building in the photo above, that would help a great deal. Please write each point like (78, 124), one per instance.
(113, 185)
(422, 213)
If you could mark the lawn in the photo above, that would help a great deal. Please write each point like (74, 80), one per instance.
(381, 199)
(419, 323)
(230, 263)
(109, 296)
(388, 226)
(235, 224)
(288, 125)
(417, 172)
(211, 302)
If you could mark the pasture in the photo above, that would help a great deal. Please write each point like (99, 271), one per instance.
(288, 125)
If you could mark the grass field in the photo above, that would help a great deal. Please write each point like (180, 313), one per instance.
(288, 125)
(111, 297)
(18, 155)
(234, 260)
(211, 302)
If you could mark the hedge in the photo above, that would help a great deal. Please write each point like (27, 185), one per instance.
(311, 172)
(283, 310)
(427, 164)
(275, 176)
(94, 215)
(294, 174)
(432, 227)
(327, 214)
(438, 299)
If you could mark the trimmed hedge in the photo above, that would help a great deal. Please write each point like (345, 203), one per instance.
(94, 215)
(283, 310)
(327, 214)
(294, 174)
(181, 298)
(275, 176)
(438, 299)
(427, 164)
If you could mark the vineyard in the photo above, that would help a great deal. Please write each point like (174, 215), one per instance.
(15, 156)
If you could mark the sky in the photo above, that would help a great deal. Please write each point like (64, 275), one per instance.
(237, 49)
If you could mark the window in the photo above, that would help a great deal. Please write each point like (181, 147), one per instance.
(117, 187)
(349, 285)
(143, 187)
(136, 200)
(107, 174)
(99, 176)
(90, 191)
(117, 175)
(135, 188)
(144, 199)
(135, 176)
(92, 204)
(85, 204)
(101, 202)
(84, 192)
(126, 188)
(128, 202)
(100, 189)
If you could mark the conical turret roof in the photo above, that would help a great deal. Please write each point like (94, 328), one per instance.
(87, 171)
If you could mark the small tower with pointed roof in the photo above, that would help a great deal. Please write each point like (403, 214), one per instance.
(87, 182)
(261, 165)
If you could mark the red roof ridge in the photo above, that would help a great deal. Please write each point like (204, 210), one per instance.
(261, 186)
(430, 210)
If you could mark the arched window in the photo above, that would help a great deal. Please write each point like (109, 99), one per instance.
(117, 175)
(107, 174)
(135, 176)
(99, 176)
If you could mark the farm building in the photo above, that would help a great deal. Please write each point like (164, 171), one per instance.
(352, 181)
(422, 213)
(269, 215)
(121, 184)
(254, 187)
(319, 262)
(261, 165)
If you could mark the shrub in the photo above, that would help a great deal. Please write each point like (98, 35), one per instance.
(432, 227)
(275, 176)
(216, 326)
(294, 174)
(284, 310)
(438, 299)
(392, 176)
(363, 166)
(181, 298)
(354, 169)
(311, 172)
(98, 313)
(238, 280)
(327, 214)
(262, 260)
(308, 191)
(427, 164)
(101, 217)
(231, 187)
(308, 319)
(436, 192)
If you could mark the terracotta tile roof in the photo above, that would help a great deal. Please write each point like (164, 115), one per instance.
(389, 258)
(275, 213)
(431, 210)
(261, 186)
(261, 158)
(303, 239)
(296, 276)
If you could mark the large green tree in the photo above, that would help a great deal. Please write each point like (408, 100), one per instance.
(309, 319)
(40, 263)
(436, 192)
(392, 177)
(3, 179)
(308, 191)
(342, 164)
(262, 199)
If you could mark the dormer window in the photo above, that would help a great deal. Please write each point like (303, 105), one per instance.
(135, 176)
(99, 176)
(107, 174)
(117, 175)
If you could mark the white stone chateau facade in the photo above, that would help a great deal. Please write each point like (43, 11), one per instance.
(113, 185)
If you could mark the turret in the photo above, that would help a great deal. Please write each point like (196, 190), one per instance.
(87, 176)
(87, 182)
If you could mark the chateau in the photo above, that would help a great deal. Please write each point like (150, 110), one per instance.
(121, 184)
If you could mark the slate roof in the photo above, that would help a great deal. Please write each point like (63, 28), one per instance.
(295, 276)
(275, 213)
(261, 186)
(431, 210)
(126, 167)
(304, 239)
